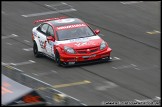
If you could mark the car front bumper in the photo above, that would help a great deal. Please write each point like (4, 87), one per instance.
(74, 58)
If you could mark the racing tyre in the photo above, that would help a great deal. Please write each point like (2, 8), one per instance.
(109, 59)
(57, 59)
(35, 50)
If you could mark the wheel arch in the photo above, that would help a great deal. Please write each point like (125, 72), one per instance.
(38, 46)
(58, 49)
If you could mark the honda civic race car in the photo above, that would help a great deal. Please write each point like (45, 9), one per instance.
(68, 41)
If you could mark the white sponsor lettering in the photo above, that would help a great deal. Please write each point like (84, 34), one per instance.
(70, 26)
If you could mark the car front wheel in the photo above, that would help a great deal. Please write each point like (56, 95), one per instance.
(57, 59)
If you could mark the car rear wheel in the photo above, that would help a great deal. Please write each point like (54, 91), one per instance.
(35, 50)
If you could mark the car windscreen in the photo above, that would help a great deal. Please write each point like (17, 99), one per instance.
(79, 32)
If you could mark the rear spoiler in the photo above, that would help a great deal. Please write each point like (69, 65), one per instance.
(44, 20)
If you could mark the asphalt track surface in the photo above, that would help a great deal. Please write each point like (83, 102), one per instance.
(131, 29)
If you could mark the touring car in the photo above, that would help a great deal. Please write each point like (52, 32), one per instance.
(68, 41)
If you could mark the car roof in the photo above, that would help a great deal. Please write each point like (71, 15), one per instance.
(67, 21)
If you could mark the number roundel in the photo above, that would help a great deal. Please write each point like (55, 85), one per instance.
(65, 20)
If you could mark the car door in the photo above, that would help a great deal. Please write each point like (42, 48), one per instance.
(42, 36)
(50, 43)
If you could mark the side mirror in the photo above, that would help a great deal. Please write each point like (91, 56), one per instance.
(50, 38)
(97, 31)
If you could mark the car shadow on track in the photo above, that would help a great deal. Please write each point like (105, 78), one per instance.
(90, 63)
(87, 64)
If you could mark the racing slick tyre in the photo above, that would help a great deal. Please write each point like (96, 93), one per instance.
(109, 59)
(35, 50)
(57, 59)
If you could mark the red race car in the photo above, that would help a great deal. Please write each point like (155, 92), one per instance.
(68, 41)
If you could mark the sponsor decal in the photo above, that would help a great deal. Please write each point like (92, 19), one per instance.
(91, 56)
(41, 43)
(79, 40)
(70, 26)
(64, 20)
(84, 43)
(35, 34)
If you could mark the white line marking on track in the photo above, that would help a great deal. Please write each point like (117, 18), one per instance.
(137, 68)
(3, 63)
(145, 100)
(32, 61)
(158, 98)
(153, 32)
(114, 67)
(84, 104)
(21, 63)
(11, 67)
(46, 73)
(127, 66)
(24, 63)
(137, 100)
(131, 2)
(53, 71)
(12, 64)
(133, 65)
(116, 58)
(107, 85)
(52, 5)
(50, 12)
(28, 49)
(47, 5)
(27, 41)
(18, 69)
(35, 74)
(148, 100)
(9, 36)
(59, 4)
(8, 43)
(66, 4)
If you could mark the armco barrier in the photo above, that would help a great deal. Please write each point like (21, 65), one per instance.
(51, 95)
